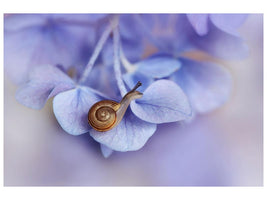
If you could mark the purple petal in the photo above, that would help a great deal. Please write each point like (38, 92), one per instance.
(79, 18)
(127, 24)
(130, 134)
(169, 33)
(221, 44)
(131, 41)
(71, 109)
(163, 101)
(19, 48)
(15, 22)
(49, 42)
(199, 22)
(45, 81)
(228, 22)
(207, 85)
(158, 66)
(106, 151)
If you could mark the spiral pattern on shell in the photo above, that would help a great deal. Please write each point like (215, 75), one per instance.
(102, 116)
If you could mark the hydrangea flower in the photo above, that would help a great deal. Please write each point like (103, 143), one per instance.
(34, 39)
(174, 87)
(217, 34)
(162, 102)
(214, 34)
(206, 84)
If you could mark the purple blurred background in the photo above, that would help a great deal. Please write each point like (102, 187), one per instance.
(223, 148)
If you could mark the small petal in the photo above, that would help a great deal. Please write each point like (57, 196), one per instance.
(127, 24)
(129, 135)
(221, 44)
(45, 81)
(158, 66)
(199, 22)
(228, 22)
(170, 36)
(15, 22)
(71, 109)
(106, 151)
(82, 18)
(49, 42)
(163, 101)
(131, 41)
(207, 85)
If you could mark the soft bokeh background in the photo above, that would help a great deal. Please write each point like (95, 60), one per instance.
(223, 148)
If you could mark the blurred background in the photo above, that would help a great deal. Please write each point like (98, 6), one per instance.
(223, 148)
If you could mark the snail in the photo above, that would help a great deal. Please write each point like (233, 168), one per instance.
(106, 114)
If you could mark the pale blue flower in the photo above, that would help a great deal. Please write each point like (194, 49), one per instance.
(46, 54)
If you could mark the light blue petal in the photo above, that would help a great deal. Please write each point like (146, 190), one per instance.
(14, 22)
(228, 22)
(19, 48)
(49, 42)
(45, 81)
(132, 41)
(130, 134)
(71, 109)
(158, 66)
(106, 151)
(79, 18)
(207, 85)
(163, 101)
(220, 44)
(169, 33)
(199, 22)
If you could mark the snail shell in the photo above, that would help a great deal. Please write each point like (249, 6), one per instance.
(102, 115)
(106, 114)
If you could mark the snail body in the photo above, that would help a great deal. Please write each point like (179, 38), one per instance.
(106, 114)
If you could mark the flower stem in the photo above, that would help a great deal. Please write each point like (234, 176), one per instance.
(126, 63)
(98, 48)
(118, 75)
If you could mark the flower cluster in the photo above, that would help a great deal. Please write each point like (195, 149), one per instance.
(80, 59)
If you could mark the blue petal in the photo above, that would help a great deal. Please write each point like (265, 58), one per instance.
(132, 41)
(199, 22)
(82, 18)
(163, 101)
(228, 22)
(127, 24)
(50, 42)
(15, 22)
(158, 66)
(45, 81)
(71, 109)
(106, 151)
(129, 135)
(176, 38)
(207, 85)
(220, 44)
(19, 48)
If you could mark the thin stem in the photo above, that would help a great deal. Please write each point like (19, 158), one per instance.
(126, 63)
(98, 48)
(118, 75)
